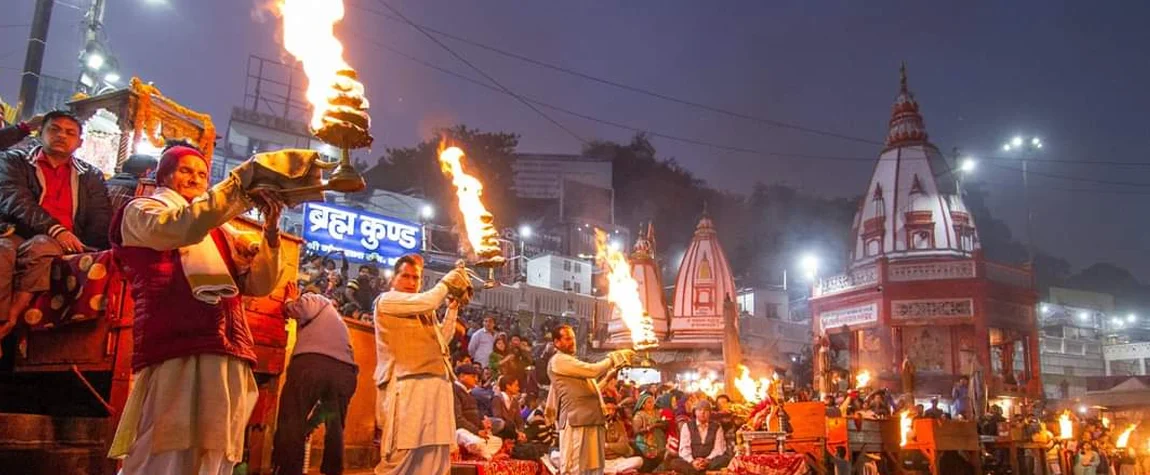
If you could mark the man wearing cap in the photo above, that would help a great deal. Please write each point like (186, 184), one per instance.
(56, 204)
(193, 351)
(703, 446)
(575, 402)
(413, 370)
(320, 380)
(473, 431)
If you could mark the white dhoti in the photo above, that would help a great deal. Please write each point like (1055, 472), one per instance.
(581, 450)
(622, 464)
(186, 416)
(417, 434)
(476, 445)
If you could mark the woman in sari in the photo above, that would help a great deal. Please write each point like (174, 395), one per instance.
(650, 432)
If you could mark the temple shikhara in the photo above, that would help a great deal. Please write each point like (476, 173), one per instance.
(703, 284)
(697, 332)
(919, 305)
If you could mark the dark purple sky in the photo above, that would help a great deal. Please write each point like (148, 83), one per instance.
(1074, 73)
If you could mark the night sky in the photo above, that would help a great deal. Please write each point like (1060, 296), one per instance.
(1074, 73)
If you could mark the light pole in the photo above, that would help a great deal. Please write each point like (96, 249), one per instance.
(426, 214)
(1023, 145)
(525, 232)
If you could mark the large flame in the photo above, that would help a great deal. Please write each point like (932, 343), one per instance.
(477, 221)
(309, 36)
(862, 379)
(1124, 437)
(623, 293)
(1065, 426)
(754, 391)
(905, 427)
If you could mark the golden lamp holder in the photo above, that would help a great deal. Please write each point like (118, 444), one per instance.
(344, 178)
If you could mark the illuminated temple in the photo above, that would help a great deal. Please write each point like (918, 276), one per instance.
(918, 293)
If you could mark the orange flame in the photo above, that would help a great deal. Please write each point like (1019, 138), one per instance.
(754, 391)
(477, 221)
(1105, 422)
(1124, 437)
(862, 379)
(309, 36)
(623, 293)
(905, 427)
(1065, 426)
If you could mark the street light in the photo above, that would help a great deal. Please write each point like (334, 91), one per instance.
(1022, 147)
(1131, 318)
(427, 212)
(1083, 315)
(95, 61)
(809, 264)
(524, 231)
(967, 166)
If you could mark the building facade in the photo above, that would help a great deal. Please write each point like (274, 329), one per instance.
(560, 273)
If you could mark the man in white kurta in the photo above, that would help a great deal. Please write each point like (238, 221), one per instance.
(187, 414)
(578, 406)
(413, 373)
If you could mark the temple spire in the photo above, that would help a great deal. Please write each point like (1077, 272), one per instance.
(906, 124)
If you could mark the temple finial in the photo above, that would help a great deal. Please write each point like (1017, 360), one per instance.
(902, 77)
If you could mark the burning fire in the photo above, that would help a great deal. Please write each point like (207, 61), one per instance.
(905, 427)
(309, 36)
(478, 223)
(623, 293)
(862, 379)
(1065, 426)
(1124, 437)
(753, 391)
(1105, 422)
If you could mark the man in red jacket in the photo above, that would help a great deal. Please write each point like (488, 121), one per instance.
(193, 352)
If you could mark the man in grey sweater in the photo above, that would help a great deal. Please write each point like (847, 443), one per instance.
(320, 382)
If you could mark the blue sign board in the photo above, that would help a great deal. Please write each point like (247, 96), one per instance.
(361, 236)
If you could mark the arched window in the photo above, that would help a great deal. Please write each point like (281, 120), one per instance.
(922, 239)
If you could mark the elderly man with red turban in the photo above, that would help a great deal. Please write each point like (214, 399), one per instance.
(193, 352)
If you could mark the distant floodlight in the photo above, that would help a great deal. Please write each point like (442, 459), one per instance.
(95, 61)
(1006, 148)
(1035, 142)
(427, 212)
(1132, 318)
(525, 231)
(1017, 141)
(967, 165)
(1083, 315)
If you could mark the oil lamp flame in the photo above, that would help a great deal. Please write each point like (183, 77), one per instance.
(1065, 426)
(477, 221)
(623, 293)
(1124, 437)
(309, 35)
(905, 427)
(862, 379)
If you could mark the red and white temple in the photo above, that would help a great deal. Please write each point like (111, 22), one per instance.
(918, 289)
(703, 284)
